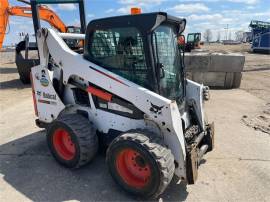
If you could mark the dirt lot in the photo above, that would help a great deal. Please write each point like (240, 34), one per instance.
(237, 170)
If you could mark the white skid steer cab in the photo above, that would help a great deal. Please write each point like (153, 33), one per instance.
(127, 90)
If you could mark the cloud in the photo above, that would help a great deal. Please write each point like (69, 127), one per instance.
(67, 7)
(189, 8)
(214, 19)
(75, 22)
(216, 16)
(111, 10)
(16, 20)
(90, 15)
(51, 7)
(141, 2)
(251, 2)
(145, 5)
(124, 10)
(245, 1)
(251, 7)
(237, 20)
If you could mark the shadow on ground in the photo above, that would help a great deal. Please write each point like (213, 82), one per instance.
(26, 165)
(12, 84)
(8, 70)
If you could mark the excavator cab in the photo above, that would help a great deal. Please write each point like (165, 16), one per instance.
(74, 44)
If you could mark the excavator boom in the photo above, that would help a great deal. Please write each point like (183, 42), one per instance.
(45, 14)
(3, 20)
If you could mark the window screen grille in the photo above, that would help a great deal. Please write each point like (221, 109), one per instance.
(121, 51)
(165, 38)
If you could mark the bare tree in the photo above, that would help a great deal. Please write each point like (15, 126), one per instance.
(207, 35)
(230, 35)
(240, 36)
(218, 36)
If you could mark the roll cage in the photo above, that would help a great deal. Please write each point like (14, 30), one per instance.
(145, 30)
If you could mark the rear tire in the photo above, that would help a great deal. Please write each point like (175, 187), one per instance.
(72, 140)
(140, 163)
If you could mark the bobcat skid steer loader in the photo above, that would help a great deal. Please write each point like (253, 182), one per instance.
(127, 90)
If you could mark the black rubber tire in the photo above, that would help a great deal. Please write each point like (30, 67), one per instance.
(83, 136)
(159, 157)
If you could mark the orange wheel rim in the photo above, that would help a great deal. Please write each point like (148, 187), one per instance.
(63, 144)
(133, 168)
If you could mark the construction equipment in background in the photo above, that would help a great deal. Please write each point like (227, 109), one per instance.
(26, 53)
(127, 90)
(193, 42)
(23, 62)
(260, 36)
(45, 14)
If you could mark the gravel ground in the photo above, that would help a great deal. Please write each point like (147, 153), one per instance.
(237, 170)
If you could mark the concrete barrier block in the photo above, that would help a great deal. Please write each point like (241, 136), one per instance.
(227, 63)
(198, 63)
(212, 79)
(215, 69)
(217, 79)
(214, 62)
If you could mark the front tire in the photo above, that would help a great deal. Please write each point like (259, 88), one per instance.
(140, 163)
(72, 140)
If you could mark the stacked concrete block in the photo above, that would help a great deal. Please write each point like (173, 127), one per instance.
(216, 70)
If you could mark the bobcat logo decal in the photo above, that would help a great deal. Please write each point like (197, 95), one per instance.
(155, 109)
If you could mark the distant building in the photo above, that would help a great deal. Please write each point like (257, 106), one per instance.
(231, 42)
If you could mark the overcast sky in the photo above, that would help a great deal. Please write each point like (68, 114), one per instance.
(200, 14)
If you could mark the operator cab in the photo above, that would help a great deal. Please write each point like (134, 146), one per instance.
(74, 44)
(141, 48)
(193, 37)
(193, 41)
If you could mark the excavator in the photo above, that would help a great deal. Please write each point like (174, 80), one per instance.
(45, 13)
(23, 63)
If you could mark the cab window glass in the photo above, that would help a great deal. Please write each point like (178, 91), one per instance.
(121, 51)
